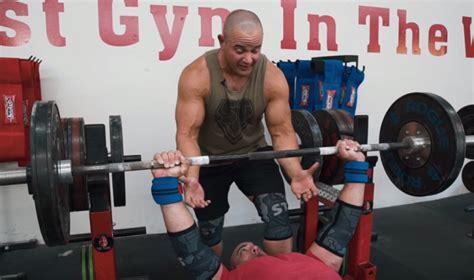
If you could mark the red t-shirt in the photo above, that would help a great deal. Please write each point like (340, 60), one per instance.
(284, 266)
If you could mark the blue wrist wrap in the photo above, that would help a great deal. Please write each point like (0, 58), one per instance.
(165, 190)
(356, 172)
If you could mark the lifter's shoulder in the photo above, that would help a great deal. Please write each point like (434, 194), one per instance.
(275, 83)
(195, 77)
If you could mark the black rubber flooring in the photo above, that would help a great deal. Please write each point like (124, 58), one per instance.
(417, 241)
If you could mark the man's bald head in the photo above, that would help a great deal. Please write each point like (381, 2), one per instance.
(242, 20)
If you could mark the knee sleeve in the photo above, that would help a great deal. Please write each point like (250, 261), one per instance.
(211, 231)
(273, 209)
(336, 234)
(196, 257)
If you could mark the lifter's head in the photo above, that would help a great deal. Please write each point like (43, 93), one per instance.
(245, 251)
(241, 42)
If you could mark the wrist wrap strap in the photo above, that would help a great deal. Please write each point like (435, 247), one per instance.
(165, 190)
(356, 172)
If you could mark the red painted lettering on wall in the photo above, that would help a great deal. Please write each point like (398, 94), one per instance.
(403, 25)
(106, 30)
(16, 32)
(468, 40)
(314, 21)
(433, 39)
(374, 14)
(22, 30)
(51, 9)
(288, 41)
(207, 14)
(170, 39)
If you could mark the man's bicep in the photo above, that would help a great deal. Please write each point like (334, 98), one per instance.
(277, 113)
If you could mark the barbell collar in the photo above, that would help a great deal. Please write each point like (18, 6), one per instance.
(469, 140)
(13, 177)
(64, 168)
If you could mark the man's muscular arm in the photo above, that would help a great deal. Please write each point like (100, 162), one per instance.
(278, 120)
(190, 111)
(278, 117)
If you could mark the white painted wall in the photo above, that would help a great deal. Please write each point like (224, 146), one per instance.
(90, 79)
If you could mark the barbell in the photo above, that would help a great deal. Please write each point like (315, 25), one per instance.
(66, 171)
(422, 148)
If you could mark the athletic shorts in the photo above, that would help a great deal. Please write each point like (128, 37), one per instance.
(252, 177)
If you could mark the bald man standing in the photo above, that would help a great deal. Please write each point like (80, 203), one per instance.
(222, 98)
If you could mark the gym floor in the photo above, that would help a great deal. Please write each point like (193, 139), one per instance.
(417, 241)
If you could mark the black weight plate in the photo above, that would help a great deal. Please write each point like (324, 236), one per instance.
(116, 154)
(466, 114)
(345, 122)
(334, 125)
(308, 131)
(446, 135)
(51, 197)
(468, 176)
(75, 151)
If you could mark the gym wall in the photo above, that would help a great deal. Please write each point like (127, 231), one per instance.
(126, 60)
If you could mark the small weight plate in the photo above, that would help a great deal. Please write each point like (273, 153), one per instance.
(116, 155)
(75, 151)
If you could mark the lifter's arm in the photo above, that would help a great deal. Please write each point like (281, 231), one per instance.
(197, 258)
(189, 114)
(178, 219)
(334, 237)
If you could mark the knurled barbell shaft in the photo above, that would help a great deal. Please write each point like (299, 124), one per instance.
(19, 175)
(324, 151)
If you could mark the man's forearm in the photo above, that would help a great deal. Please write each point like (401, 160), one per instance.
(287, 142)
(353, 193)
(291, 165)
(177, 217)
(189, 147)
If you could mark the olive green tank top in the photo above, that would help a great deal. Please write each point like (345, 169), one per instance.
(233, 120)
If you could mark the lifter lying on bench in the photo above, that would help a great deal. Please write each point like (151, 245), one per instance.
(321, 261)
